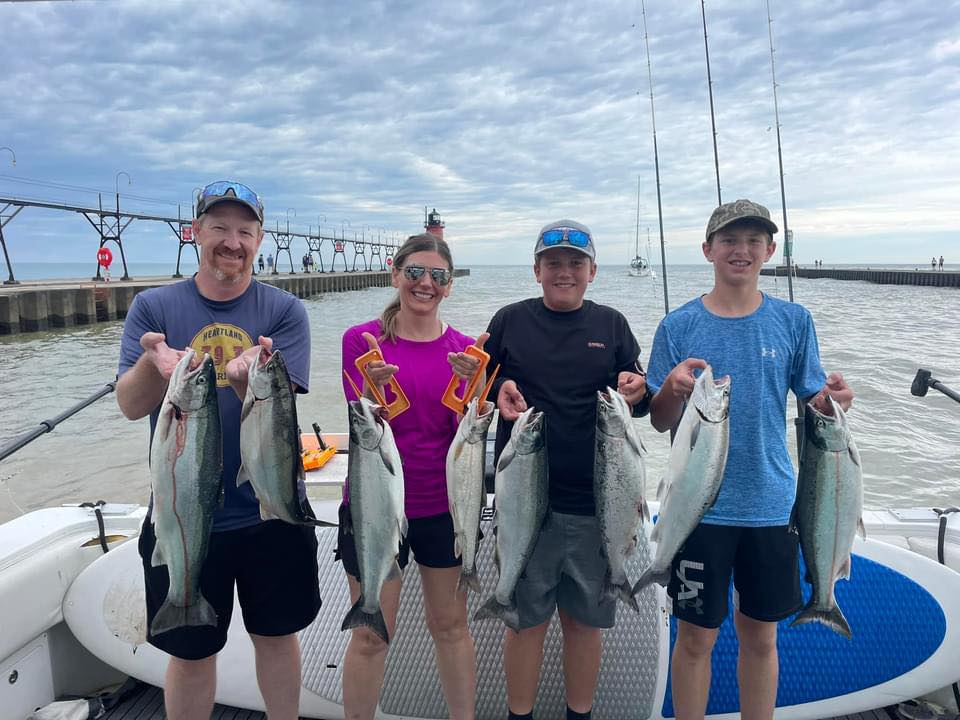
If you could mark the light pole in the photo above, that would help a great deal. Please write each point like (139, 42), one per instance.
(343, 235)
(288, 218)
(12, 153)
(319, 224)
(117, 184)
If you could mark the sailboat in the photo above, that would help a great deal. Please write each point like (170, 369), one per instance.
(640, 265)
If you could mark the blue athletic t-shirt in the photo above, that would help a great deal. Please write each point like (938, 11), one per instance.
(767, 353)
(224, 330)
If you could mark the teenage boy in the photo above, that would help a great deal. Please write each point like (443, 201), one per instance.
(767, 346)
(555, 353)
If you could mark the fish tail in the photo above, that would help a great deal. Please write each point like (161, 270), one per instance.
(374, 621)
(650, 576)
(832, 617)
(493, 609)
(171, 616)
(469, 580)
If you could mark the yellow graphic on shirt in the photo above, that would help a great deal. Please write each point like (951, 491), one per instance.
(223, 342)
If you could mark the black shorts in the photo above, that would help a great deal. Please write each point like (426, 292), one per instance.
(274, 567)
(763, 561)
(430, 538)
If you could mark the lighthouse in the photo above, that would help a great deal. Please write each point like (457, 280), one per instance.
(433, 223)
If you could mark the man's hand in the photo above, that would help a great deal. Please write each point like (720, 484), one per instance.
(160, 355)
(464, 366)
(510, 401)
(633, 387)
(836, 388)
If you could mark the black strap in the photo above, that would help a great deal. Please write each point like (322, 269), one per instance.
(96, 511)
(941, 537)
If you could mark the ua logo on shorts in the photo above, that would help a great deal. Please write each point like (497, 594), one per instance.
(687, 596)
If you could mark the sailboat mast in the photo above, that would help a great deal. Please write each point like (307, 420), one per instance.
(713, 121)
(636, 250)
(656, 160)
(787, 249)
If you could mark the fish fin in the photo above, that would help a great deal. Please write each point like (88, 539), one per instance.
(242, 475)
(506, 457)
(267, 515)
(832, 617)
(792, 526)
(854, 454)
(395, 572)
(356, 617)
(171, 616)
(843, 572)
(493, 609)
(662, 488)
(694, 434)
(156, 558)
(861, 530)
(650, 576)
(403, 525)
(644, 511)
(457, 548)
(634, 440)
(469, 580)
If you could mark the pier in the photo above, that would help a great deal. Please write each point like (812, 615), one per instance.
(38, 305)
(933, 278)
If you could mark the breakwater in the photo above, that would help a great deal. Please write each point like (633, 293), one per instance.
(932, 278)
(43, 304)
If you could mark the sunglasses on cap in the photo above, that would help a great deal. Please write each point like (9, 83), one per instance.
(226, 188)
(439, 275)
(553, 237)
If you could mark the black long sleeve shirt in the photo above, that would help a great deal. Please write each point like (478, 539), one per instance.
(559, 361)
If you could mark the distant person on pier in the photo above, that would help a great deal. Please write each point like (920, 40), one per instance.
(260, 262)
(556, 352)
(272, 565)
(941, 262)
(421, 352)
(768, 347)
(270, 263)
(933, 263)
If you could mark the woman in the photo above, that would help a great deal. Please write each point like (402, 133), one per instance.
(419, 350)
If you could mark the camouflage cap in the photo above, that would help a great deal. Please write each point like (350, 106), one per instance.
(740, 210)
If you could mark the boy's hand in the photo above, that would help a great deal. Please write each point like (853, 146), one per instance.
(633, 387)
(681, 379)
(836, 388)
(510, 401)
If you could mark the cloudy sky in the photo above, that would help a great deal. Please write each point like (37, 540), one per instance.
(504, 115)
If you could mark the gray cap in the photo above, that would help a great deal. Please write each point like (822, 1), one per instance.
(740, 210)
(570, 234)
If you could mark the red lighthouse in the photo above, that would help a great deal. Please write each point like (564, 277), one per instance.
(433, 223)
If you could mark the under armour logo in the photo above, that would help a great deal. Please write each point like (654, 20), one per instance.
(768, 352)
(690, 589)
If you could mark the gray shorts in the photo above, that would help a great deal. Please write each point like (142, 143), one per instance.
(566, 571)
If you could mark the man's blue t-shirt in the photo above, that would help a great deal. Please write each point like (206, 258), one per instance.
(765, 354)
(224, 330)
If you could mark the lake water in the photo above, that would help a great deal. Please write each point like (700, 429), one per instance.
(877, 335)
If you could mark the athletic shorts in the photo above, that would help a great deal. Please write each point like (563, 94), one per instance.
(430, 539)
(763, 561)
(566, 571)
(274, 567)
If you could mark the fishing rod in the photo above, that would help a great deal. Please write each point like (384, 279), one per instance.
(713, 121)
(787, 240)
(925, 380)
(48, 425)
(656, 161)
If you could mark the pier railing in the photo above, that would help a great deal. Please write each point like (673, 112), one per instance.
(933, 278)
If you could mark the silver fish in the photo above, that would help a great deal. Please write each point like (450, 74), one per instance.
(521, 490)
(377, 518)
(465, 488)
(694, 472)
(828, 510)
(619, 480)
(270, 443)
(185, 465)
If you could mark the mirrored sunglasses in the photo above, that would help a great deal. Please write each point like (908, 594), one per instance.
(222, 188)
(439, 275)
(577, 238)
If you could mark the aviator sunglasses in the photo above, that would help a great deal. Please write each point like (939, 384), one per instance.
(414, 272)
(577, 238)
(222, 188)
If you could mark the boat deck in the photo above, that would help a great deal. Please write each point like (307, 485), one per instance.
(147, 704)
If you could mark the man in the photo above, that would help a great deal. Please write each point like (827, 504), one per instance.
(555, 353)
(767, 346)
(260, 262)
(224, 312)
